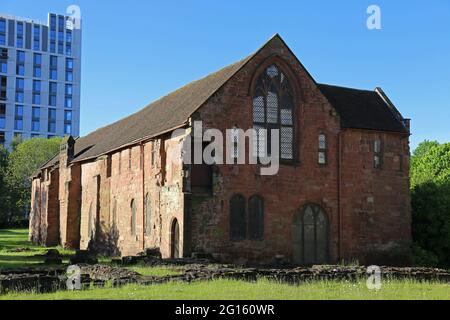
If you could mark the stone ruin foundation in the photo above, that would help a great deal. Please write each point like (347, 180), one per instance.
(45, 279)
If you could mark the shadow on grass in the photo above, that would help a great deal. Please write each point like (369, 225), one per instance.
(13, 231)
(16, 251)
(14, 243)
(8, 262)
(11, 239)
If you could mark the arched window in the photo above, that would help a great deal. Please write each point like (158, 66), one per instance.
(310, 234)
(256, 218)
(273, 108)
(148, 215)
(235, 139)
(238, 221)
(133, 217)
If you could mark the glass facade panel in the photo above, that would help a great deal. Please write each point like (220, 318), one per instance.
(19, 41)
(67, 128)
(3, 60)
(69, 89)
(52, 120)
(36, 38)
(18, 120)
(35, 78)
(69, 76)
(2, 116)
(2, 32)
(20, 63)
(68, 116)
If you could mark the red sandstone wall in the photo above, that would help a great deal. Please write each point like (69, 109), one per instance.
(52, 219)
(35, 214)
(376, 209)
(125, 185)
(375, 203)
(89, 176)
(295, 185)
(95, 197)
(69, 202)
(44, 217)
(163, 183)
(171, 195)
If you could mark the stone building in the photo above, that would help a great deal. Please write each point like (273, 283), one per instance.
(342, 190)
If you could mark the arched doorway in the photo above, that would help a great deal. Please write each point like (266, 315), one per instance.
(310, 235)
(175, 240)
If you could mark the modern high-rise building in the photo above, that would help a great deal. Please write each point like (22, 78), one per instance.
(40, 76)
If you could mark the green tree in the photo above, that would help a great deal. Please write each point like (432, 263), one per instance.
(4, 192)
(430, 191)
(424, 147)
(431, 164)
(23, 161)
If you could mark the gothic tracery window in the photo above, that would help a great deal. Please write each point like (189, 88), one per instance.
(273, 108)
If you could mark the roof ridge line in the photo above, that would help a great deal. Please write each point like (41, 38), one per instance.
(343, 87)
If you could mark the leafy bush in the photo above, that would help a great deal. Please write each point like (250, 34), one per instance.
(16, 169)
(4, 196)
(424, 258)
(430, 184)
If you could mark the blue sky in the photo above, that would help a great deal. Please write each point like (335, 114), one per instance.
(135, 51)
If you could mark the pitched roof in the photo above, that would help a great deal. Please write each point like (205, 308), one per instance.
(357, 108)
(363, 109)
(161, 116)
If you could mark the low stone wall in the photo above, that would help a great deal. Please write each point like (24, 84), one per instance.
(330, 273)
(40, 280)
(51, 279)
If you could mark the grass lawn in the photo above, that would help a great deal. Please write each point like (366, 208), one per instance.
(262, 290)
(155, 271)
(212, 290)
(11, 240)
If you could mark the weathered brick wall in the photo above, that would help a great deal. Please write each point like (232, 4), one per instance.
(52, 229)
(285, 193)
(371, 214)
(95, 204)
(154, 175)
(44, 216)
(69, 202)
(375, 202)
(36, 211)
(126, 185)
(171, 193)
(298, 184)
(63, 195)
(112, 201)
(89, 198)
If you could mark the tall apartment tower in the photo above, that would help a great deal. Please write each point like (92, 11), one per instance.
(40, 76)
